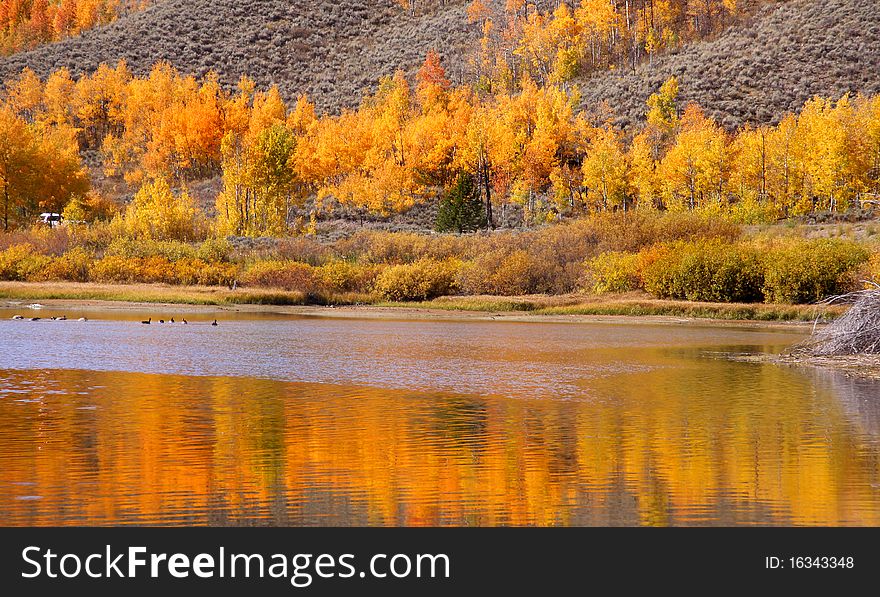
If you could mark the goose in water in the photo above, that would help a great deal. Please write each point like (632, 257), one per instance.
(172, 320)
(161, 321)
(185, 322)
(215, 323)
(148, 322)
(35, 319)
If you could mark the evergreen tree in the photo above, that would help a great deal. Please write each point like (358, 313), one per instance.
(461, 209)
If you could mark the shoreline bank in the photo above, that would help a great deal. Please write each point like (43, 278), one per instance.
(555, 309)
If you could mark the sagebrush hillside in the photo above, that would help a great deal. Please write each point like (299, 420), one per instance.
(330, 50)
(335, 52)
(756, 72)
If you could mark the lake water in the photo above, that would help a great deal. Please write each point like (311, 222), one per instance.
(273, 420)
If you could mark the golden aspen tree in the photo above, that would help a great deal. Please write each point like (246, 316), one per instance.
(604, 169)
(58, 97)
(24, 95)
(823, 137)
(695, 170)
(100, 103)
(158, 213)
(39, 168)
(644, 178)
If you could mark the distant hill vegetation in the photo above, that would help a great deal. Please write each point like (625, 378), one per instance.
(332, 51)
(755, 73)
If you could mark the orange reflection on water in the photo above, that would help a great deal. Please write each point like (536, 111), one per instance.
(708, 442)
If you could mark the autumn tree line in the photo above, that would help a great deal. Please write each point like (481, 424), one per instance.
(26, 24)
(411, 142)
(556, 41)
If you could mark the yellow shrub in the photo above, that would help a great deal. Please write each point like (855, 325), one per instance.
(504, 273)
(343, 276)
(872, 270)
(801, 271)
(115, 269)
(287, 275)
(73, 266)
(615, 272)
(707, 270)
(423, 280)
(21, 263)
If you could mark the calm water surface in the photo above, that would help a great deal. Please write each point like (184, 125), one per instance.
(308, 421)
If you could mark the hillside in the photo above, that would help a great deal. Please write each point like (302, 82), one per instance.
(755, 73)
(335, 51)
(331, 50)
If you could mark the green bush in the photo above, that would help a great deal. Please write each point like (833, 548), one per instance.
(420, 281)
(710, 271)
(808, 271)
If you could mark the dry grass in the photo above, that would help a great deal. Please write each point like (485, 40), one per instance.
(631, 304)
(159, 293)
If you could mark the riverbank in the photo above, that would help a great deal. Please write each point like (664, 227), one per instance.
(575, 307)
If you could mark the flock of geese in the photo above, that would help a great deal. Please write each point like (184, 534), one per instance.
(184, 322)
(64, 318)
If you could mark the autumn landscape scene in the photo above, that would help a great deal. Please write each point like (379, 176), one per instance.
(440, 262)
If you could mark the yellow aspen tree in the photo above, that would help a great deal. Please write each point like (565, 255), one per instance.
(605, 171)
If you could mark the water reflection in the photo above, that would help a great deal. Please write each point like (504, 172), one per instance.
(684, 440)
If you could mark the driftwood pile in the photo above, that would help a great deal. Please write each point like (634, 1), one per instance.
(855, 333)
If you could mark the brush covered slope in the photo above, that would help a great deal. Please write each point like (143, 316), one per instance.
(757, 71)
(332, 51)
(335, 52)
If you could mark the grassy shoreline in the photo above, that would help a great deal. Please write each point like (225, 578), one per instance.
(538, 307)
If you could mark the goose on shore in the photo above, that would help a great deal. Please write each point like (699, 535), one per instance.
(172, 320)
(83, 319)
(17, 318)
(148, 322)
(185, 322)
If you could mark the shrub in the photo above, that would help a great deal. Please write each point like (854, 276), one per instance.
(218, 274)
(73, 266)
(872, 270)
(286, 275)
(343, 276)
(423, 280)
(144, 248)
(505, 273)
(20, 263)
(807, 271)
(115, 269)
(634, 231)
(214, 250)
(615, 272)
(711, 271)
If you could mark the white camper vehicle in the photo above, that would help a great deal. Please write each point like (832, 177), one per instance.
(51, 220)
